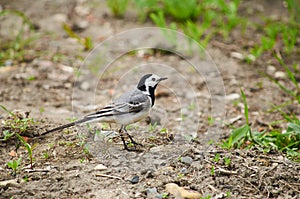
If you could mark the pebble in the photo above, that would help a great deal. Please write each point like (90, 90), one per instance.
(279, 75)
(180, 192)
(115, 163)
(135, 180)
(186, 160)
(100, 167)
(184, 170)
(81, 24)
(152, 193)
(271, 69)
(82, 10)
(232, 96)
(237, 55)
(60, 18)
(85, 86)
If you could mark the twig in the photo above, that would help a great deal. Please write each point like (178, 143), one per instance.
(227, 172)
(108, 176)
(289, 185)
(250, 184)
(37, 170)
(253, 169)
(261, 177)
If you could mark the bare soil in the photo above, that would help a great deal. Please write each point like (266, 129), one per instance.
(64, 168)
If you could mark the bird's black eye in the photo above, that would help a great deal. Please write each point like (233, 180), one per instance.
(153, 79)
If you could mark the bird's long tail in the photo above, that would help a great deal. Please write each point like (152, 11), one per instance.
(67, 125)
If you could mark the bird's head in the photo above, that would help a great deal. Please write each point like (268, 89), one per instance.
(149, 81)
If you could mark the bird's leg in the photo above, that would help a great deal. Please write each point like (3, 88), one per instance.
(122, 137)
(131, 139)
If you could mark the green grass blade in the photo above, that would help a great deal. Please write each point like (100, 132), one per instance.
(245, 107)
(6, 110)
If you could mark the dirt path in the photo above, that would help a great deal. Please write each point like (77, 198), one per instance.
(78, 163)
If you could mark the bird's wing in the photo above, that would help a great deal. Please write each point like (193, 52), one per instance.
(135, 104)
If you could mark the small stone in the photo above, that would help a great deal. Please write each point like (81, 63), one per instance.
(148, 173)
(115, 163)
(271, 70)
(60, 18)
(81, 25)
(279, 75)
(85, 86)
(237, 55)
(135, 180)
(138, 195)
(184, 170)
(180, 192)
(100, 167)
(232, 96)
(82, 10)
(186, 160)
(151, 191)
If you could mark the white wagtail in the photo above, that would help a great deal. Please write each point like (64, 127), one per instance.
(129, 108)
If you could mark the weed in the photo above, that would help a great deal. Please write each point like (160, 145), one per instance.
(26, 178)
(85, 41)
(7, 134)
(240, 135)
(152, 127)
(217, 158)
(165, 195)
(42, 109)
(180, 175)
(16, 124)
(182, 11)
(212, 170)
(14, 165)
(160, 21)
(206, 197)
(164, 131)
(145, 7)
(211, 121)
(45, 155)
(227, 161)
(15, 49)
(285, 141)
(228, 194)
(28, 148)
(118, 7)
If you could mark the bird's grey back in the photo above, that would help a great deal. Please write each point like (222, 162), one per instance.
(134, 96)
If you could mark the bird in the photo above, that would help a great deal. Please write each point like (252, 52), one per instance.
(131, 107)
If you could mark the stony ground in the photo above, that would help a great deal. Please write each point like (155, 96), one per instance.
(79, 163)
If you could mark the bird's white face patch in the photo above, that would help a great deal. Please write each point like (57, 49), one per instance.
(152, 81)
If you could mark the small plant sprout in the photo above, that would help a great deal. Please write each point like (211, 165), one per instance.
(7, 134)
(118, 7)
(212, 170)
(164, 131)
(217, 158)
(86, 41)
(25, 178)
(152, 127)
(165, 195)
(227, 161)
(28, 148)
(14, 165)
(45, 155)
(192, 106)
(211, 121)
(228, 194)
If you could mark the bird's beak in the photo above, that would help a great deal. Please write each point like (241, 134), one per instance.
(162, 78)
